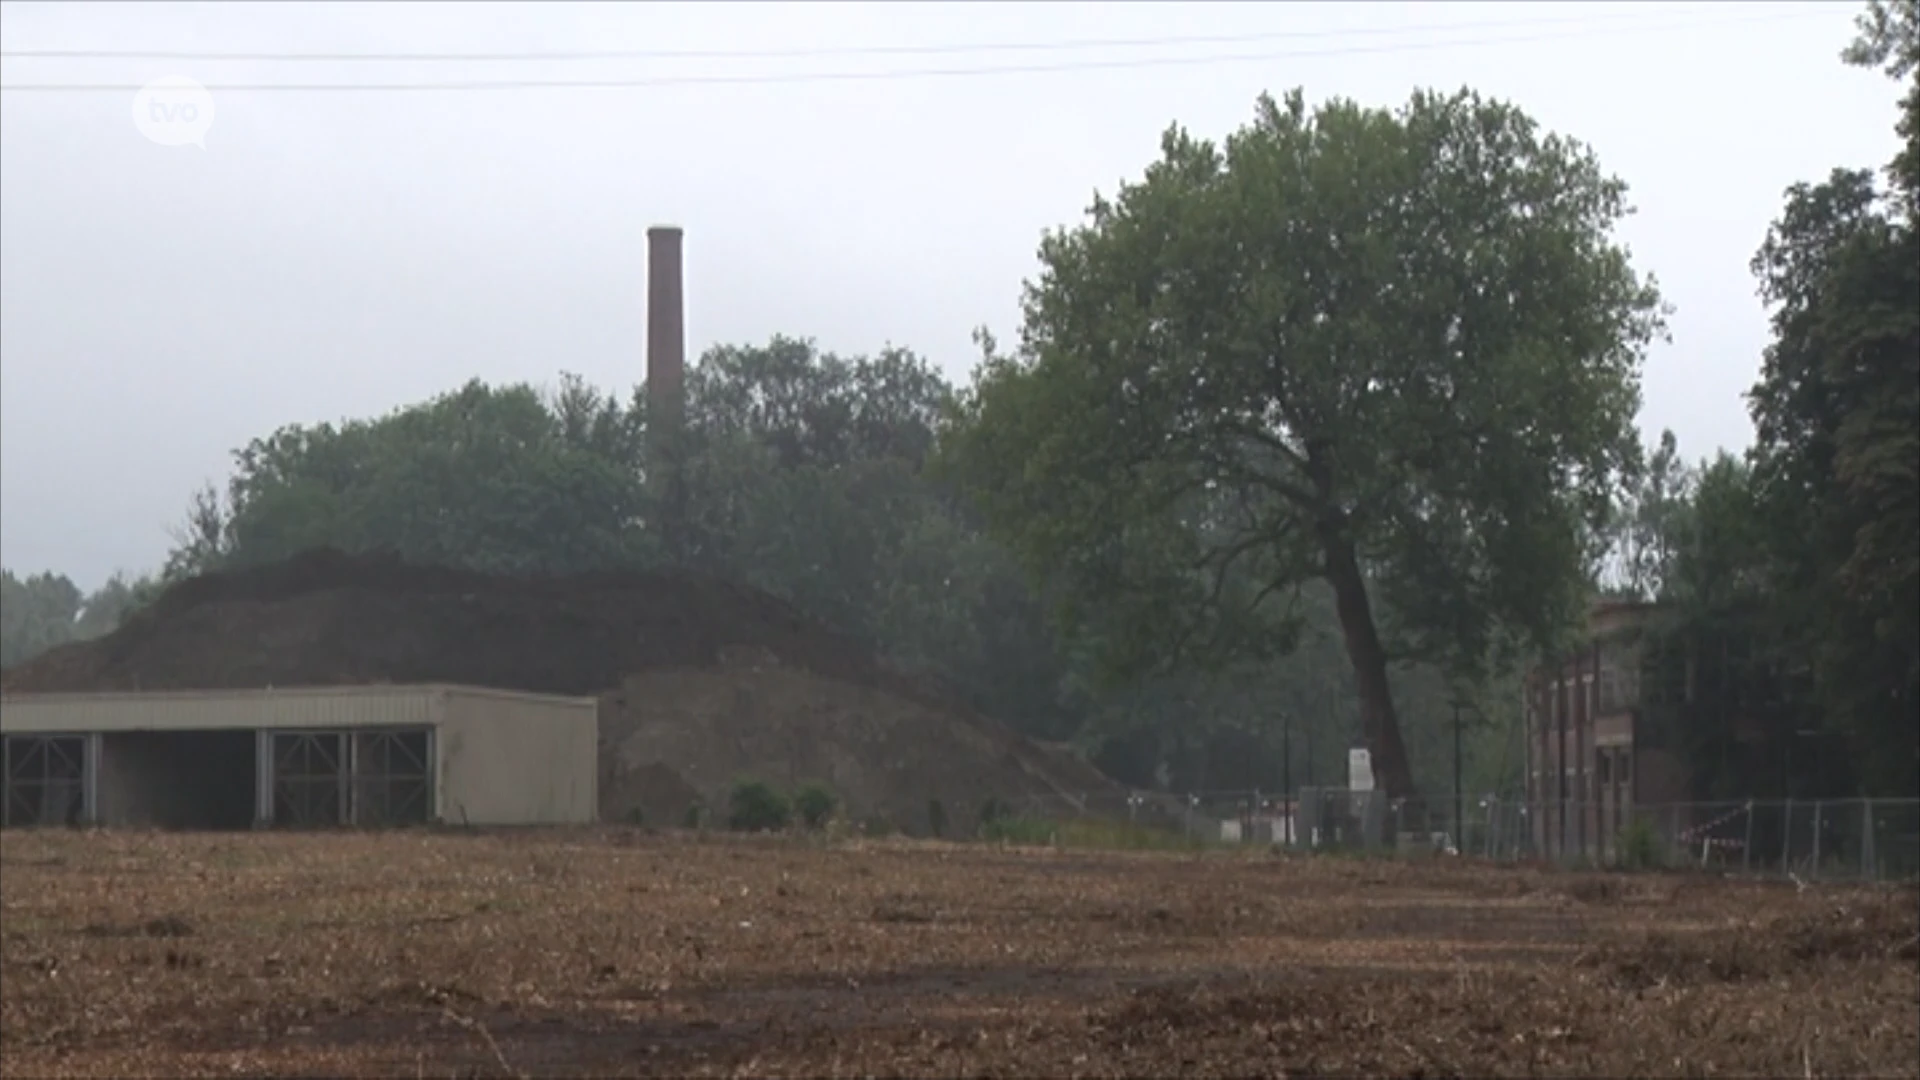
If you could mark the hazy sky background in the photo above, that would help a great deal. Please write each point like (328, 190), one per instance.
(338, 254)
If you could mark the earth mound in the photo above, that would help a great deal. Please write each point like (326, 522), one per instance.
(727, 680)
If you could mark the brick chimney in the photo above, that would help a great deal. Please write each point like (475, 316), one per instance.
(666, 371)
(666, 338)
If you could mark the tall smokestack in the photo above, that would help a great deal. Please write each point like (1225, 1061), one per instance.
(666, 332)
(666, 370)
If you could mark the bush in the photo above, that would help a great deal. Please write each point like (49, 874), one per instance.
(755, 807)
(1639, 845)
(936, 818)
(1017, 830)
(876, 825)
(993, 810)
(695, 816)
(814, 803)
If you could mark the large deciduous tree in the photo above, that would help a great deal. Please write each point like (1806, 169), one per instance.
(1837, 413)
(1397, 350)
(502, 479)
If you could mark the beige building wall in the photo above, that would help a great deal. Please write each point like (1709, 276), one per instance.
(321, 708)
(517, 759)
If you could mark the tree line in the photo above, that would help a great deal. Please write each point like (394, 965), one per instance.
(1308, 439)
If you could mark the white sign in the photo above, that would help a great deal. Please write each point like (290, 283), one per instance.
(174, 111)
(1359, 770)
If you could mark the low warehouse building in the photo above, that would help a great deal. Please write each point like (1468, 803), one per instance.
(309, 757)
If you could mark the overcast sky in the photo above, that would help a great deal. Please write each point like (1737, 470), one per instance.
(337, 254)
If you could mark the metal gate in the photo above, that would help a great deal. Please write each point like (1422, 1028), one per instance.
(46, 780)
(368, 777)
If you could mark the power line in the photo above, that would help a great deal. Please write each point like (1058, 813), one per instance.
(861, 76)
(802, 53)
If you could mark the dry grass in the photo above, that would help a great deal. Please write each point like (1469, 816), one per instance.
(617, 952)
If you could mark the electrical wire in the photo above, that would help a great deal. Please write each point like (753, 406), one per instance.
(801, 53)
(897, 74)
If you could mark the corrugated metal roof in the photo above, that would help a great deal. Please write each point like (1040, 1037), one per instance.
(275, 707)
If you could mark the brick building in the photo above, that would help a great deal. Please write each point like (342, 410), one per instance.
(1589, 761)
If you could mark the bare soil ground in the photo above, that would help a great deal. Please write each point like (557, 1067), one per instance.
(623, 952)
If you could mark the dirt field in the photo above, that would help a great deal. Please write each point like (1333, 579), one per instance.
(623, 952)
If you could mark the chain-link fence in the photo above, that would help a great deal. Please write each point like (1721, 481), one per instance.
(1833, 839)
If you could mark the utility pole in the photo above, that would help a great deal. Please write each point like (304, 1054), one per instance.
(1310, 719)
(1286, 753)
(1459, 839)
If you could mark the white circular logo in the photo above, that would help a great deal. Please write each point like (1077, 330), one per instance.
(174, 111)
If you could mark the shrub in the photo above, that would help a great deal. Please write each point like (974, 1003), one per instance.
(635, 816)
(876, 826)
(936, 818)
(814, 803)
(1639, 846)
(755, 807)
(993, 810)
(695, 816)
(1018, 830)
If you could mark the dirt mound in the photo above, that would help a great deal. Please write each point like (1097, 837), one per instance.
(330, 618)
(881, 754)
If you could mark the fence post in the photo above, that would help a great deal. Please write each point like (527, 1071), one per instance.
(1818, 806)
(1786, 839)
(1746, 846)
(1868, 870)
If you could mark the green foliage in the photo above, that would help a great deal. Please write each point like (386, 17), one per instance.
(1791, 580)
(1890, 40)
(936, 818)
(755, 807)
(1639, 845)
(814, 803)
(503, 479)
(45, 610)
(1299, 355)
(1639, 542)
(694, 817)
(1017, 830)
(1837, 451)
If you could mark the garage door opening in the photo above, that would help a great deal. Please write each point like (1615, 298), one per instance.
(178, 779)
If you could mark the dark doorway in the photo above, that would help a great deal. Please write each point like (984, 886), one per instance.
(178, 779)
(43, 781)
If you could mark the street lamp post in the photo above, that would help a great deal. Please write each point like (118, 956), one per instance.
(1459, 810)
(1286, 754)
(1310, 748)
